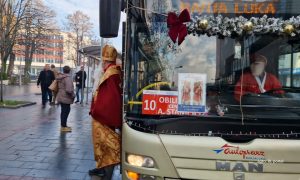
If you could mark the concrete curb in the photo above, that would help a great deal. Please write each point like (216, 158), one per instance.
(19, 106)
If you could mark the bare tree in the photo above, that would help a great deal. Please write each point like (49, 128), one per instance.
(80, 27)
(11, 15)
(36, 28)
(71, 47)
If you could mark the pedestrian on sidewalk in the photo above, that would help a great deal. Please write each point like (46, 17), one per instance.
(65, 96)
(45, 79)
(106, 114)
(80, 78)
(54, 93)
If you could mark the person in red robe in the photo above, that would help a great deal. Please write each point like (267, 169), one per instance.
(106, 111)
(257, 80)
(197, 93)
(186, 93)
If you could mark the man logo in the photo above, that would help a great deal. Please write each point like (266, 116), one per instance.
(238, 176)
(239, 166)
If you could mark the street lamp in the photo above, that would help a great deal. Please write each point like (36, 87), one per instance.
(237, 50)
(20, 75)
(20, 64)
(177, 67)
(1, 85)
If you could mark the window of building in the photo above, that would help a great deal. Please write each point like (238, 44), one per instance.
(296, 70)
(289, 65)
(285, 69)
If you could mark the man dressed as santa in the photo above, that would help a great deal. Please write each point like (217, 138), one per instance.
(257, 81)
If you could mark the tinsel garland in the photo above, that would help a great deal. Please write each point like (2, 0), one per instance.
(238, 26)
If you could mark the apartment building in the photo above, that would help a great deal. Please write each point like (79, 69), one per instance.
(58, 49)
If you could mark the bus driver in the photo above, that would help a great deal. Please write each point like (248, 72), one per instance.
(257, 80)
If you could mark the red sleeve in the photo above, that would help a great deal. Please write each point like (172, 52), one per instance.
(107, 107)
(276, 84)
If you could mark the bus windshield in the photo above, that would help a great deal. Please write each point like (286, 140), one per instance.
(210, 76)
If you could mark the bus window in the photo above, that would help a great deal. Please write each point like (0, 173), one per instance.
(198, 109)
(210, 77)
(289, 65)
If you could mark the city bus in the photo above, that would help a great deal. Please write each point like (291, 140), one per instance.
(186, 114)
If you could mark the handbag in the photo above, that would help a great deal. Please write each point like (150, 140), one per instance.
(54, 86)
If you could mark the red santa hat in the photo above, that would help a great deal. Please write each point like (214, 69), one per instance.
(258, 58)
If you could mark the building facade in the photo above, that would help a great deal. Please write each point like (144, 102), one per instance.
(58, 49)
(51, 52)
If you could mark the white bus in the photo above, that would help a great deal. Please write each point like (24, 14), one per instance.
(199, 110)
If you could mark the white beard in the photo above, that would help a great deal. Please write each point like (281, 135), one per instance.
(101, 68)
(98, 73)
(257, 70)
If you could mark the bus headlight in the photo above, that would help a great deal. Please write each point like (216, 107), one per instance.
(140, 161)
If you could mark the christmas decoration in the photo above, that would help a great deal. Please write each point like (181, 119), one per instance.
(248, 26)
(203, 24)
(229, 27)
(176, 26)
(240, 26)
(289, 29)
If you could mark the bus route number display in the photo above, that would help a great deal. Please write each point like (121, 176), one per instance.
(159, 102)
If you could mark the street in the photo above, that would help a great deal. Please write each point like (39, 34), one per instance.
(32, 146)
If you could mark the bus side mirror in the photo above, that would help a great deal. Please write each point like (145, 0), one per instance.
(109, 16)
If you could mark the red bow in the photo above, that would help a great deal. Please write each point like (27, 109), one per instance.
(176, 26)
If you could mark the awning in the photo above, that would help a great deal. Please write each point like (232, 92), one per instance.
(91, 51)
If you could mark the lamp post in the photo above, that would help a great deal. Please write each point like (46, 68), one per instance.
(20, 76)
(1, 78)
(237, 50)
(82, 82)
(177, 67)
(88, 80)
(60, 65)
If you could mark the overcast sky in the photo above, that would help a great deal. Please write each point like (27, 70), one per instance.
(89, 7)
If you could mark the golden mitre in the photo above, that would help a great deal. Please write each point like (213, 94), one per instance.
(109, 53)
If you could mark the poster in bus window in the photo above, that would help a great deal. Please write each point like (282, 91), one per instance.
(159, 102)
(191, 92)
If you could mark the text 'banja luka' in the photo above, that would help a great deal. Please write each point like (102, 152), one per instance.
(236, 7)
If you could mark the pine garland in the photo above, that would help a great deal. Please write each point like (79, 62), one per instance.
(235, 27)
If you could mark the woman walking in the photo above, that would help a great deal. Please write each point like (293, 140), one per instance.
(65, 96)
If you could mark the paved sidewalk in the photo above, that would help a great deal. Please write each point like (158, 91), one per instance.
(32, 146)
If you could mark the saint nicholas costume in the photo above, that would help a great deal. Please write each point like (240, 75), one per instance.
(106, 111)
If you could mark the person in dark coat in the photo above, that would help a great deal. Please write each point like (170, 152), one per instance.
(45, 79)
(80, 83)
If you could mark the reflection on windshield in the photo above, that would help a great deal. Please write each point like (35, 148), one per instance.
(257, 80)
(254, 76)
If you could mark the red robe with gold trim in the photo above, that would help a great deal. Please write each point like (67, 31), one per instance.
(106, 112)
(107, 103)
